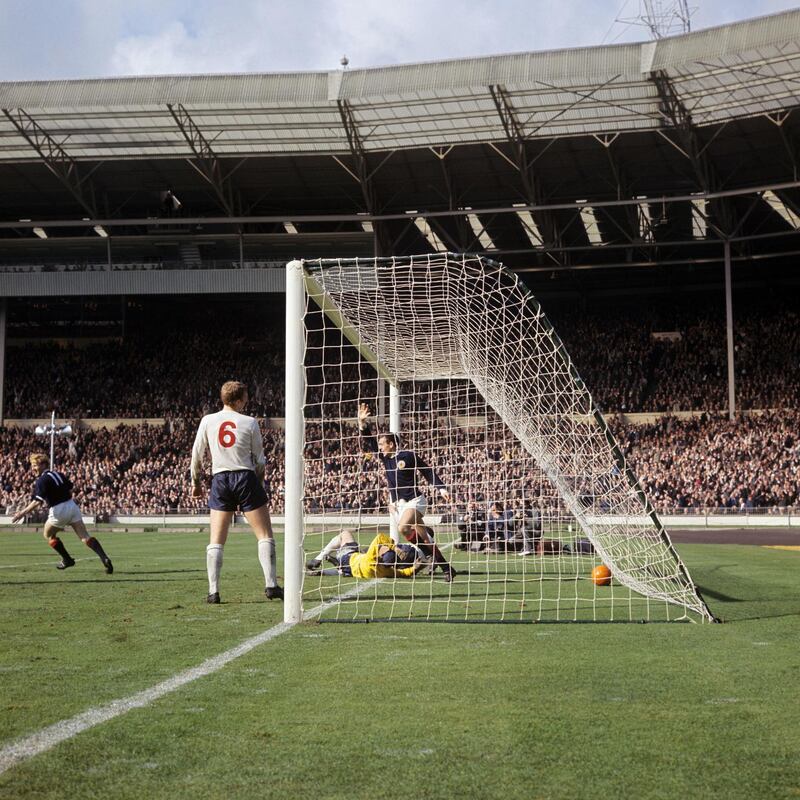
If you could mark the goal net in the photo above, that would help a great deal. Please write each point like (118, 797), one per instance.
(526, 491)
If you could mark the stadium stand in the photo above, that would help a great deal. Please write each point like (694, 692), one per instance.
(661, 357)
(632, 359)
(706, 462)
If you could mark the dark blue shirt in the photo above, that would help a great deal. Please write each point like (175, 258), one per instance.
(500, 525)
(402, 468)
(52, 488)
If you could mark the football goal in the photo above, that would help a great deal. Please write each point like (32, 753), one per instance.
(429, 399)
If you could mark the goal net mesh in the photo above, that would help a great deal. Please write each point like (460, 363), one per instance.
(539, 491)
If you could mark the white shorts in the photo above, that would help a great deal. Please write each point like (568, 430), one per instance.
(66, 513)
(419, 504)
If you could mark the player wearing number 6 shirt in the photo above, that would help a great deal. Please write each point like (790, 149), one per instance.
(237, 483)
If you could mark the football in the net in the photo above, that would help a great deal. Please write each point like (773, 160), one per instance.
(601, 575)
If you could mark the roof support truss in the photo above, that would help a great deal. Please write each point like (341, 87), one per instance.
(205, 161)
(362, 173)
(678, 117)
(463, 232)
(55, 158)
(534, 195)
(631, 227)
(789, 143)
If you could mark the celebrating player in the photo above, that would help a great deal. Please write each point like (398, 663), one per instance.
(237, 467)
(382, 559)
(54, 489)
(407, 501)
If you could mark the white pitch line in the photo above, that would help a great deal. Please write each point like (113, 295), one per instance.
(47, 738)
(41, 563)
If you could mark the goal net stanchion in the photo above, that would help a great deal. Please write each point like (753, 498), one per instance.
(481, 388)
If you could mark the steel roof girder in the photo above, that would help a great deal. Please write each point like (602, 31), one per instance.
(676, 113)
(516, 137)
(790, 145)
(206, 162)
(623, 190)
(55, 158)
(362, 173)
(463, 229)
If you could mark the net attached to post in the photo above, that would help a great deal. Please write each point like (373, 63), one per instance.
(539, 491)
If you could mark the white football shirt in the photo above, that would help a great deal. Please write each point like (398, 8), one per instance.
(234, 440)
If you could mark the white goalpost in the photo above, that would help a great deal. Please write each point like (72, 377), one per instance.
(482, 391)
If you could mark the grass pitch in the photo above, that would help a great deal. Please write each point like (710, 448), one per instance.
(390, 710)
(491, 587)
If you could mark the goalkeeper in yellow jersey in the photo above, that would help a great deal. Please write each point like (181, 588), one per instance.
(382, 559)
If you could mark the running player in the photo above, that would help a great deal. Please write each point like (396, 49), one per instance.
(237, 467)
(54, 489)
(407, 500)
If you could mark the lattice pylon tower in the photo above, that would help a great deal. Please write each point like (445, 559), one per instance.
(491, 398)
(663, 17)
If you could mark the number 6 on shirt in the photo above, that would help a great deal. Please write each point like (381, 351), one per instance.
(226, 436)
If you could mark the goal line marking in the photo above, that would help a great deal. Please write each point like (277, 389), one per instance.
(32, 745)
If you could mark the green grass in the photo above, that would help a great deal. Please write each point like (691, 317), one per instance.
(401, 709)
(494, 587)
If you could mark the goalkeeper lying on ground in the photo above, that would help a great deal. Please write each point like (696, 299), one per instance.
(382, 559)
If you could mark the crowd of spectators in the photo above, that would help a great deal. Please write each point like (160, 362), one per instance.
(652, 359)
(137, 469)
(169, 367)
(632, 359)
(144, 377)
(704, 462)
(713, 462)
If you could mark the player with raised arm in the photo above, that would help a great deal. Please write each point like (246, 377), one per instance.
(54, 489)
(407, 500)
(237, 482)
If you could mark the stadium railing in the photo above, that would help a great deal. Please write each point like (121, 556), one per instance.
(704, 518)
(129, 266)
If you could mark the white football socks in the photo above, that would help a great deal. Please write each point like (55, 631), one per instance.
(332, 545)
(266, 555)
(214, 566)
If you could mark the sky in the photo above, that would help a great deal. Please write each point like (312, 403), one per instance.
(54, 39)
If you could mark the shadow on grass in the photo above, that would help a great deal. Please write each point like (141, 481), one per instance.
(725, 598)
(37, 554)
(118, 577)
(490, 621)
(417, 609)
(762, 617)
(744, 609)
(166, 572)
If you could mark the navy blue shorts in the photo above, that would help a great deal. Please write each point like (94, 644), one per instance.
(240, 490)
(343, 557)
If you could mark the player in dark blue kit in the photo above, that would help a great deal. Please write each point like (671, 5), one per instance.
(54, 489)
(407, 500)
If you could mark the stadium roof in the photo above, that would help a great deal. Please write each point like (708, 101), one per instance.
(649, 153)
(718, 74)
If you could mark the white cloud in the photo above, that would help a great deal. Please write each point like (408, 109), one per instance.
(78, 38)
(417, 30)
(154, 54)
(175, 49)
(266, 35)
